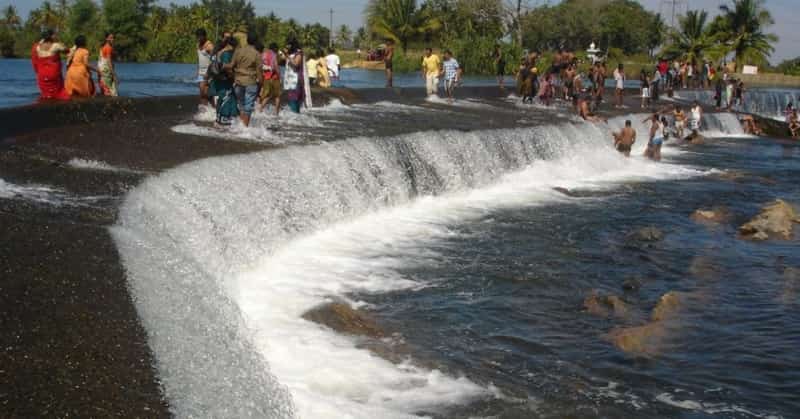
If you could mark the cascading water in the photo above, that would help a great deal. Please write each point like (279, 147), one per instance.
(224, 255)
(769, 103)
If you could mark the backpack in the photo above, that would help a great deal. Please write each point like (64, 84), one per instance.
(216, 70)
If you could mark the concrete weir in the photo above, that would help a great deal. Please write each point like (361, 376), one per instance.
(72, 344)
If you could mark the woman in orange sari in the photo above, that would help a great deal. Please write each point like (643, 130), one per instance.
(79, 79)
(46, 60)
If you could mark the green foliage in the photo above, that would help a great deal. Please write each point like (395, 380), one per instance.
(400, 20)
(790, 67)
(574, 24)
(741, 28)
(126, 19)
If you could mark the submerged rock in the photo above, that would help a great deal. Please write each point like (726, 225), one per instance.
(632, 284)
(668, 306)
(743, 177)
(648, 339)
(344, 319)
(703, 267)
(791, 286)
(644, 340)
(776, 220)
(695, 138)
(715, 215)
(647, 234)
(605, 305)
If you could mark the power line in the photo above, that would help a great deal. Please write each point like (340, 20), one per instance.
(330, 38)
(673, 6)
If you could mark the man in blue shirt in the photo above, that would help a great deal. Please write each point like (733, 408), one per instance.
(452, 74)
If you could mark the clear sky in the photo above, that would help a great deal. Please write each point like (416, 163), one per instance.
(350, 12)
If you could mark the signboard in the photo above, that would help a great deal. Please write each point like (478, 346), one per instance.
(750, 69)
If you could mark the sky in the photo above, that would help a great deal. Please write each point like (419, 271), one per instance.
(350, 12)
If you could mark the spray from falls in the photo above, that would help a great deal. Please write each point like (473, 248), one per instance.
(224, 255)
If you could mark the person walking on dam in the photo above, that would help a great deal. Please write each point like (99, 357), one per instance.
(105, 65)
(431, 68)
(205, 50)
(46, 61)
(247, 76)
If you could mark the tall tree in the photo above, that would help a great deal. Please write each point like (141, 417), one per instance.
(10, 17)
(692, 38)
(83, 19)
(399, 20)
(742, 27)
(344, 36)
(126, 18)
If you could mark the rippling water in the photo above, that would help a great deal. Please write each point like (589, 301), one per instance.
(457, 243)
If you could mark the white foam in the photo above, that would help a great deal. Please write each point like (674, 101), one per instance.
(44, 195)
(711, 408)
(251, 242)
(98, 165)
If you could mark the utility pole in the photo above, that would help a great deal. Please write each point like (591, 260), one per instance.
(330, 38)
(674, 5)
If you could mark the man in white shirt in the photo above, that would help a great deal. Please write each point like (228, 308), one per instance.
(619, 78)
(334, 64)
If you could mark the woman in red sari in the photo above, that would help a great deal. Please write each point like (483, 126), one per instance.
(46, 60)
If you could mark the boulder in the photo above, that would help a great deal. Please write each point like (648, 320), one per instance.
(631, 284)
(647, 234)
(715, 215)
(605, 305)
(703, 267)
(668, 306)
(645, 340)
(342, 318)
(743, 177)
(776, 220)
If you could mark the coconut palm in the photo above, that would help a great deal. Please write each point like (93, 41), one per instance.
(742, 26)
(344, 36)
(399, 20)
(692, 37)
(11, 18)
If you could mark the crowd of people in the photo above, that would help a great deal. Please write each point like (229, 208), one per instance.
(239, 76)
(46, 56)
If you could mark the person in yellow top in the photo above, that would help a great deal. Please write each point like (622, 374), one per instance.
(431, 68)
(311, 68)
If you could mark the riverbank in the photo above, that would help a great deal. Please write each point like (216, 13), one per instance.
(74, 342)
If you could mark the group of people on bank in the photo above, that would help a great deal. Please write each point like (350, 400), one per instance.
(46, 56)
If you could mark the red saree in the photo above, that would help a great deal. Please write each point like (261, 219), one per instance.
(48, 75)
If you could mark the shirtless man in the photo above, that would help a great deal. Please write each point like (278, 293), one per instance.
(585, 113)
(794, 124)
(623, 140)
(657, 137)
(680, 121)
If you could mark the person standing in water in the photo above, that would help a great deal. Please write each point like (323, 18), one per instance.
(697, 117)
(247, 75)
(311, 68)
(46, 61)
(227, 108)
(680, 121)
(334, 65)
(388, 62)
(431, 68)
(79, 77)
(619, 78)
(293, 79)
(500, 66)
(452, 74)
(205, 50)
(657, 137)
(271, 84)
(645, 80)
(105, 64)
(624, 140)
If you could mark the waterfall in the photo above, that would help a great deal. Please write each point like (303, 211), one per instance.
(223, 256)
(769, 103)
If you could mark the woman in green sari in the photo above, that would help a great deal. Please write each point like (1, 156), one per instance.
(227, 109)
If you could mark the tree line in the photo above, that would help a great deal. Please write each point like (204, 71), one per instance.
(470, 28)
(146, 32)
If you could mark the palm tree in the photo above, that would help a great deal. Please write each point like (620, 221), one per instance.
(741, 28)
(692, 38)
(10, 17)
(399, 20)
(343, 36)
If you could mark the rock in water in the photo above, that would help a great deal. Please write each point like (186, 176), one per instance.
(647, 234)
(668, 306)
(776, 220)
(715, 215)
(644, 340)
(344, 319)
(605, 305)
